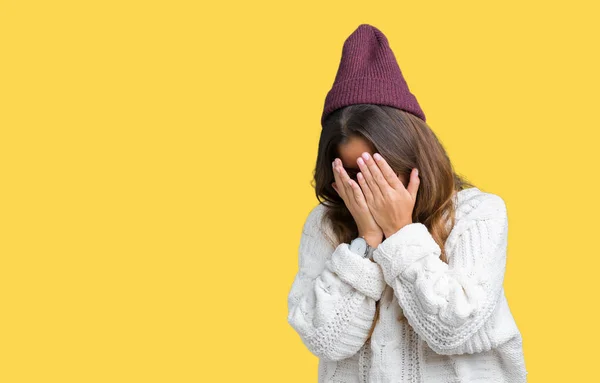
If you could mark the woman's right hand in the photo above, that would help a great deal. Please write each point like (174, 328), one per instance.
(356, 203)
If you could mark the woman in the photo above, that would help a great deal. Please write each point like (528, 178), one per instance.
(401, 267)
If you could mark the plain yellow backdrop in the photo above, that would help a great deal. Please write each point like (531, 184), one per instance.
(156, 159)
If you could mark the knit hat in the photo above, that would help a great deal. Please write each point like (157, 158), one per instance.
(369, 74)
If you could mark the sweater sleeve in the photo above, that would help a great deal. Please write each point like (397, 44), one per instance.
(448, 304)
(331, 303)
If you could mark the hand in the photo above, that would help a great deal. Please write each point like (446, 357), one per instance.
(355, 201)
(390, 203)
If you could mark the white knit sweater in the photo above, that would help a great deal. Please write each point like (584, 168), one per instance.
(456, 324)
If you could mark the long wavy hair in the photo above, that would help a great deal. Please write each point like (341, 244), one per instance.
(405, 142)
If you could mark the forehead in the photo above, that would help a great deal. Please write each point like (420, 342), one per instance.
(353, 148)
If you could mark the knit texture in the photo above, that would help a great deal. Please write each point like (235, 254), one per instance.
(456, 324)
(369, 73)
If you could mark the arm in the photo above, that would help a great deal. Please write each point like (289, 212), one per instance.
(447, 304)
(331, 304)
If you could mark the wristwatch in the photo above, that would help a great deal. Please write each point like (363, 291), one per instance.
(360, 246)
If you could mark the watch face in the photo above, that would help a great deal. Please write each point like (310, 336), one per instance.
(359, 246)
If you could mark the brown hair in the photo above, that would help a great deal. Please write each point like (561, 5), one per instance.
(405, 142)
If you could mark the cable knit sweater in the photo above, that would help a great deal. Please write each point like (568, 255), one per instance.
(455, 324)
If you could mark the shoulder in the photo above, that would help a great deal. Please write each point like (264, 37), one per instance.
(314, 218)
(473, 207)
(474, 203)
(316, 226)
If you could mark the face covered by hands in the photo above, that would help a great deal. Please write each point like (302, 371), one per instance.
(390, 203)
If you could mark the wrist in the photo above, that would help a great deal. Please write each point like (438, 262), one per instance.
(373, 240)
(389, 232)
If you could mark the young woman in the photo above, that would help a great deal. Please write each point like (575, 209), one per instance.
(401, 266)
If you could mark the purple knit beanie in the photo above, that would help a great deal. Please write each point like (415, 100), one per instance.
(369, 74)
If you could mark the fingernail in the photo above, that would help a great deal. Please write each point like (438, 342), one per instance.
(417, 171)
(365, 155)
(377, 156)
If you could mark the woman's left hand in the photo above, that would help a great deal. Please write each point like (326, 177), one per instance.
(390, 203)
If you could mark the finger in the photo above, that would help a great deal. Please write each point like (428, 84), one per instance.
(341, 191)
(387, 172)
(343, 179)
(366, 172)
(357, 193)
(413, 183)
(366, 190)
(376, 174)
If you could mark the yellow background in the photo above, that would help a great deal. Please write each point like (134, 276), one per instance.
(156, 160)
